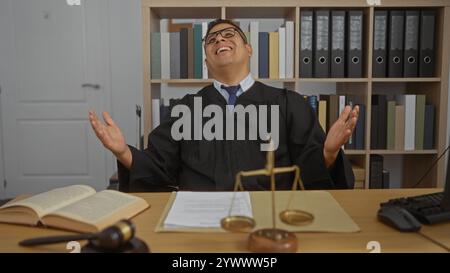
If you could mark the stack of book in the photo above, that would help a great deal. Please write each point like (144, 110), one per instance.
(360, 174)
(181, 55)
(404, 123)
(273, 52)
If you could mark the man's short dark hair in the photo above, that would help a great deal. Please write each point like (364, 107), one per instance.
(226, 21)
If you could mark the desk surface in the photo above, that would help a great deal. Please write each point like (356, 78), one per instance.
(361, 205)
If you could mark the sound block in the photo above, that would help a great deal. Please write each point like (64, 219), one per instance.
(135, 245)
(272, 241)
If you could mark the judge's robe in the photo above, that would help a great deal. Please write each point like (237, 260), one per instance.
(201, 165)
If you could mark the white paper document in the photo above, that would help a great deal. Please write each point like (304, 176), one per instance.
(206, 209)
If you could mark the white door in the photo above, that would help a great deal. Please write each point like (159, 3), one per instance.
(2, 173)
(53, 68)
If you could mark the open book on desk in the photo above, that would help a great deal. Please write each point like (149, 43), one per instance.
(78, 208)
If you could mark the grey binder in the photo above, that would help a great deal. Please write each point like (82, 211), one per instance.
(411, 50)
(379, 44)
(337, 44)
(321, 44)
(427, 43)
(395, 52)
(306, 44)
(355, 44)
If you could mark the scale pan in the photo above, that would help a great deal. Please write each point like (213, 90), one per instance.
(237, 223)
(295, 217)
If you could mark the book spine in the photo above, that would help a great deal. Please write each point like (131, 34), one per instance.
(312, 100)
(374, 127)
(428, 140)
(190, 53)
(184, 53)
(385, 178)
(282, 52)
(390, 141)
(323, 114)
(341, 108)
(204, 67)
(376, 172)
(382, 121)
(399, 127)
(263, 55)
(155, 113)
(254, 39)
(155, 55)
(420, 122)
(175, 55)
(360, 128)
(273, 55)
(410, 122)
(197, 51)
(290, 49)
(334, 109)
(165, 55)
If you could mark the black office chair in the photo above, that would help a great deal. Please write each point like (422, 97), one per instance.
(4, 201)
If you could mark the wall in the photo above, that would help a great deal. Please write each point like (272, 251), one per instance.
(125, 36)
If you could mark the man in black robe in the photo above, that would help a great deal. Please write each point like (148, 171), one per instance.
(209, 165)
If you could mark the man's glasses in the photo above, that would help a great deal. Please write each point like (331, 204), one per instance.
(229, 32)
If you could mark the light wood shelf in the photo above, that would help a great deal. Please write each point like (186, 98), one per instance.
(436, 88)
(328, 80)
(434, 79)
(355, 152)
(400, 152)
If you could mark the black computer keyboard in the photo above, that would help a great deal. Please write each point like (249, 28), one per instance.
(426, 208)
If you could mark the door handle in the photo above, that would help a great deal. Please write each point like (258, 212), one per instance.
(91, 85)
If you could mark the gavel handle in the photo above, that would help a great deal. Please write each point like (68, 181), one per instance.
(56, 239)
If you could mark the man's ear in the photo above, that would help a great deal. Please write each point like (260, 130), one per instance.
(249, 49)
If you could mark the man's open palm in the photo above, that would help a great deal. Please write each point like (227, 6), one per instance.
(341, 130)
(109, 134)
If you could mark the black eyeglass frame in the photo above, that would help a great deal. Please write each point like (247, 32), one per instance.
(216, 33)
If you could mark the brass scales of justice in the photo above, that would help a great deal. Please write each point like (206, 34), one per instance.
(269, 239)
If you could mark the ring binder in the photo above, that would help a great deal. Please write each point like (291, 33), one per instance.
(355, 44)
(321, 47)
(337, 43)
(396, 34)
(427, 36)
(379, 43)
(306, 44)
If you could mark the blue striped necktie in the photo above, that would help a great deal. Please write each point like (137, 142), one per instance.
(232, 92)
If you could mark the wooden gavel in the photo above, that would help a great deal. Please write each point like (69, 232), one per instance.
(111, 238)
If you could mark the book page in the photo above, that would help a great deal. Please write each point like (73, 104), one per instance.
(99, 207)
(206, 209)
(47, 202)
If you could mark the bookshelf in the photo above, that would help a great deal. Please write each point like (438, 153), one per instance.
(415, 162)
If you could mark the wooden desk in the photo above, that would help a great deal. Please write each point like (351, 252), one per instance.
(361, 205)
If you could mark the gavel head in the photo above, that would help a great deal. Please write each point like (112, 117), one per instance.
(115, 236)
